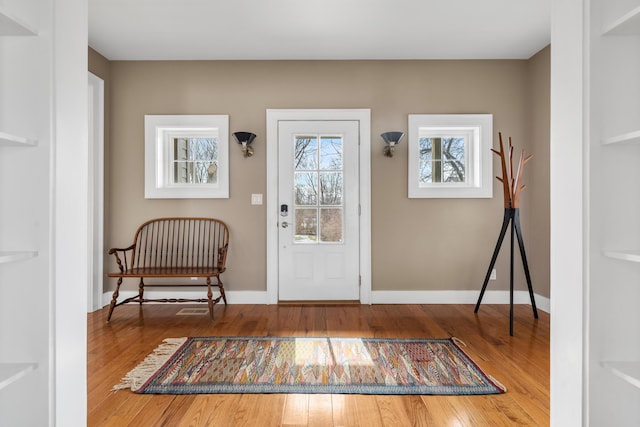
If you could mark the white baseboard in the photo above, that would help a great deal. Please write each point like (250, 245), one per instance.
(457, 297)
(377, 297)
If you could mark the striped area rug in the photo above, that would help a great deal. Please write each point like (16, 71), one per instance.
(202, 365)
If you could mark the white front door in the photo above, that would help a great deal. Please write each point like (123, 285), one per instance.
(318, 226)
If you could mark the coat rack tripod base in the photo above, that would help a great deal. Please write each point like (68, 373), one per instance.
(512, 188)
(511, 217)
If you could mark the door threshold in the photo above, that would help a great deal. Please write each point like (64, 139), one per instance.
(320, 303)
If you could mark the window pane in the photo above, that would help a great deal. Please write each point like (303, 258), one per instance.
(426, 161)
(454, 155)
(306, 153)
(206, 172)
(180, 149)
(442, 160)
(426, 171)
(452, 172)
(330, 152)
(331, 188)
(306, 225)
(203, 149)
(426, 149)
(195, 161)
(306, 188)
(331, 225)
(182, 172)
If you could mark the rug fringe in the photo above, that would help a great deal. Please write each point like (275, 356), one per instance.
(497, 383)
(458, 341)
(136, 378)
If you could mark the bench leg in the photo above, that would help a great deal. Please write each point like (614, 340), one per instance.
(221, 288)
(114, 298)
(141, 289)
(210, 298)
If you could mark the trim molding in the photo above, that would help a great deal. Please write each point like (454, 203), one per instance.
(377, 297)
(363, 116)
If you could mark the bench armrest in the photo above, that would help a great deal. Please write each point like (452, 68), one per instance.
(222, 257)
(123, 252)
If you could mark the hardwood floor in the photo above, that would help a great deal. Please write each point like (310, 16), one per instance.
(521, 363)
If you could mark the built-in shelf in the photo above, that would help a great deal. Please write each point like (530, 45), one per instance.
(628, 371)
(14, 256)
(14, 140)
(12, 372)
(626, 138)
(12, 26)
(633, 256)
(625, 25)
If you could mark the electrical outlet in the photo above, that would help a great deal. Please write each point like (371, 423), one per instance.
(494, 274)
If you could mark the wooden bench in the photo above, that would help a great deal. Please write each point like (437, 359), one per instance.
(174, 248)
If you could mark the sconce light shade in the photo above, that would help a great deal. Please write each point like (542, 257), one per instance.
(245, 139)
(391, 139)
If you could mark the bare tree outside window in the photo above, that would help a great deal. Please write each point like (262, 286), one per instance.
(442, 160)
(318, 183)
(195, 160)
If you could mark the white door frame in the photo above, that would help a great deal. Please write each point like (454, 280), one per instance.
(363, 117)
(95, 208)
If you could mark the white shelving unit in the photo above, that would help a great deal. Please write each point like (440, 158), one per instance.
(8, 140)
(15, 256)
(23, 364)
(627, 138)
(11, 372)
(43, 106)
(13, 26)
(632, 256)
(613, 325)
(627, 371)
(627, 24)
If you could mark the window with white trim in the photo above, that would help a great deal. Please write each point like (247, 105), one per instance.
(450, 156)
(186, 156)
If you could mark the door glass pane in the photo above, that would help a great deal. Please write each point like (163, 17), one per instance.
(306, 153)
(306, 225)
(331, 225)
(331, 188)
(330, 152)
(318, 182)
(306, 188)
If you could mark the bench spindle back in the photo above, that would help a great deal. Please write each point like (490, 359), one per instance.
(179, 242)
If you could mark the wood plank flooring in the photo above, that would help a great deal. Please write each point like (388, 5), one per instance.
(521, 363)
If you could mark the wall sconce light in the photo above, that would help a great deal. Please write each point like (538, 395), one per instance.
(391, 139)
(245, 139)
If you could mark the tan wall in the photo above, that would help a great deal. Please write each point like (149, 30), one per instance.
(418, 244)
(538, 173)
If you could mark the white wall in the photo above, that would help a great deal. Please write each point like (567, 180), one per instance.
(567, 178)
(70, 194)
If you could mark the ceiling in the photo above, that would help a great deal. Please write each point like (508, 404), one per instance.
(318, 29)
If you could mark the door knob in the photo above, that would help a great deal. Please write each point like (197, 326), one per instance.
(285, 224)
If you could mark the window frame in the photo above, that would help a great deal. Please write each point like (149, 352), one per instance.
(160, 130)
(478, 156)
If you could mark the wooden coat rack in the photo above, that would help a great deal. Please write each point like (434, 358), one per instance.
(512, 188)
